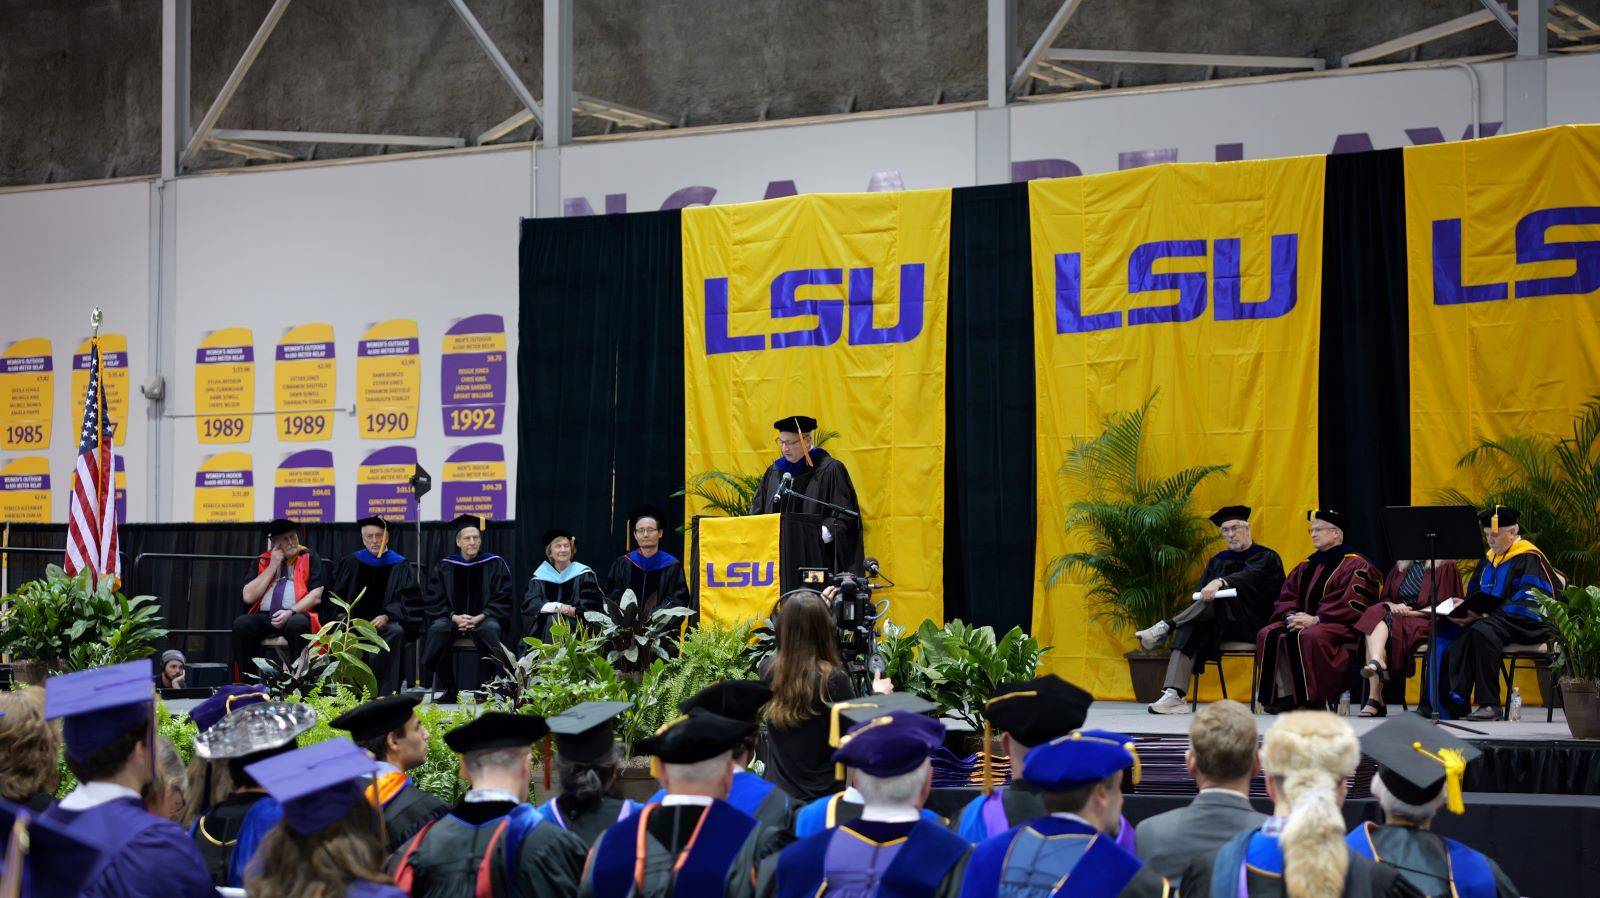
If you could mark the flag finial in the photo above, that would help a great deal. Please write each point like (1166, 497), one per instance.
(95, 318)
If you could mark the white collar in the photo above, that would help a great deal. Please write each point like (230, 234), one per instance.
(853, 795)
(674, 800)
(475, 796)
(890, 814)
(88, 795)
(739, 768)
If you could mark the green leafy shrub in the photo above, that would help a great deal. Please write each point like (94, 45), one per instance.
(707, 655)
(1575, 624)
(962, 665)
(64, 624)
(632, 639)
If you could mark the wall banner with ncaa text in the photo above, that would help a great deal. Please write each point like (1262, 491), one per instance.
(1503, 238)
(832, 306)
(738, 560)
(1204, 280)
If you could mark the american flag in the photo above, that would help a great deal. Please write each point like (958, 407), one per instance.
(92, 515)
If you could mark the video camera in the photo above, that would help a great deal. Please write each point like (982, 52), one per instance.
(855, 617)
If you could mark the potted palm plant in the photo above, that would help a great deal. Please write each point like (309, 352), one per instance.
(61, 623)
(1140, 539)
(1575, 628)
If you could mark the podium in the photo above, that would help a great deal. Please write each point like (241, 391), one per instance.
(739, 566)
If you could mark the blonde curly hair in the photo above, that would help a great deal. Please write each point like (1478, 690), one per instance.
(1308, 755)
(29, 744)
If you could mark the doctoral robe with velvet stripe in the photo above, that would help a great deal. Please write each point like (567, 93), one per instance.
(1055, 856)
(685, 855)
(1336, 587)
(1437, 866)
(826, 479)
(1257, 573)
(758, 797)
(1257, 858)
(869, 859)
(1012, 804)
(447, 858)
(657, 581)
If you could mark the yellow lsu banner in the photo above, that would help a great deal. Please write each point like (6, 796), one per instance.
(1503, 238)
(738, 561)
(1203, 281)
(832, 306)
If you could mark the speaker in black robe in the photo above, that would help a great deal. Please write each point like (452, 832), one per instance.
(815, 478)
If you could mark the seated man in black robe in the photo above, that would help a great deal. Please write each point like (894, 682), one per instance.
(799, 477)
(388, 730)
(471, 845)
(1254, 571)
(376, 581)
(469, 597)
(654, 575)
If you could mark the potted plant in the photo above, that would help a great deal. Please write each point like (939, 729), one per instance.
(1574, 622)
(631, 637)
(1141, 539)
(958, 666)
(59, 624)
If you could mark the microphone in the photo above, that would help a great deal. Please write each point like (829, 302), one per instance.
(871, 565)
(783, 486)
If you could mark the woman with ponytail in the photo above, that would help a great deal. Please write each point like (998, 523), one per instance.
(587, 762)
(1300, 852)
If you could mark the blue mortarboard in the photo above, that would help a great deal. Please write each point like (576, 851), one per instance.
(55, 862)
(1080, 758)
(227, 699)
(100, 704)
(317, 784)
(889, 745)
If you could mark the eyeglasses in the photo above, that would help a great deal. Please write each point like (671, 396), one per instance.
(1234, 528)
(787, 444)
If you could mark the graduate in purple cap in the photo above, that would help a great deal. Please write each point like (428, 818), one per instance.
(54, 862)
(654, 574)
(1071, 850)
(329, 843)
(891, 848)
(802, 473)
(216, 805)
(107, 727)
(842, 807)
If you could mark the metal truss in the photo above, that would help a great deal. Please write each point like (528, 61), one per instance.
(257, 144)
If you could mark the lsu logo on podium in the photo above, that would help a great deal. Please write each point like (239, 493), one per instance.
(739, 574)
(832, 314)
(1533, 244)
(1195, 290)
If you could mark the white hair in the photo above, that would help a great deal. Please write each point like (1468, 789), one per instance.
(1394, 807)
(893, 791)
(700, 772)
(495, 760)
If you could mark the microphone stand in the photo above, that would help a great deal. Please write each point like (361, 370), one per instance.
(1432, 658)
(789, 491)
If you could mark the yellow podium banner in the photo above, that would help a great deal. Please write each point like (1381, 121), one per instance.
(27, 394)
(1503, 238)
(832, 306)
(1203, 281)
(225, 386)
(739, 561)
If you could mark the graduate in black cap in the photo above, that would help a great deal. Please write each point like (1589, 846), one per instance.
(891, 849)
(561, 587)
(842, 807)
(1420, 767)
(1305, 654)
(755, 795)
(388, 730)
(694, 842)
(330, 841)
(1252, 570)
(282, 598)
(378, 582)
(215, 808)
(654, 575)
(108, 732)
(1511, 570)
(54, 863)
(813, 474)
(492, 836)
(587, 762)
(469, 596)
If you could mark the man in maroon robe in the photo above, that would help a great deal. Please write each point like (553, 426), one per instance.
(1304, 655)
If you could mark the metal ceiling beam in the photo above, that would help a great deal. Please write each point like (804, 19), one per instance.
(557, 72)
(1416, 38)
(510, 76)
(583, 104)
(1533, 40)
(1501, 15)
(250, 150)
(1146, 57)
(1046, 38)
(175, 67)
(398, 140)
(203, 130)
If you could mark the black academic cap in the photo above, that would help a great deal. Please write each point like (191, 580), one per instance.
(860, 710)
(373, 521)
(463, 521)
(1231, 513)
(1505, 513)
(1410, 754)
(583, 732)
(1330, 516)
(279, 527)
(795, 424)
(647, 511)
(496, 729)
(378, 717)
(697, 736)
(736, 699)
(1036, 711)
(553, 534)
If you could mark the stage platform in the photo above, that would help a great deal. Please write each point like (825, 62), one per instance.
(1135, 720)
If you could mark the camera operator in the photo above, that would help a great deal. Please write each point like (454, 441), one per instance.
(807, 674)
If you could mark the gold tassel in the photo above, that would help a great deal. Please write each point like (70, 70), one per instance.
(1494, 526)
(655, 767)
(1138, 769)
(1455, 766)
(988, 776)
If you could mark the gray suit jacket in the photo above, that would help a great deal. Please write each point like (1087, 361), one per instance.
(1168, 842)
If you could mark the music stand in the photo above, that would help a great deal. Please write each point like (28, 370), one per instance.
(1428, 532)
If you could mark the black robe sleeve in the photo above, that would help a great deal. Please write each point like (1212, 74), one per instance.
(551, 862)
(344, 582)
(437, 603)
(402, 583)
(497, 590)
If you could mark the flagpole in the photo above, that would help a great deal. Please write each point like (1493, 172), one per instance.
(103, 475)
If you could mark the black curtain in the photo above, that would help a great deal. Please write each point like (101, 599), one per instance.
(600, 379)
(1363, 426)
(989, 411)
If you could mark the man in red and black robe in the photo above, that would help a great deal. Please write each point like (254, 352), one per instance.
(1304, 654)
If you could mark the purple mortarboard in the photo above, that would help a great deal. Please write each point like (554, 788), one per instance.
(227, 699)
(891, 744)
(54, 861)
(100, 704)
(1080, 758)
(317, 784)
